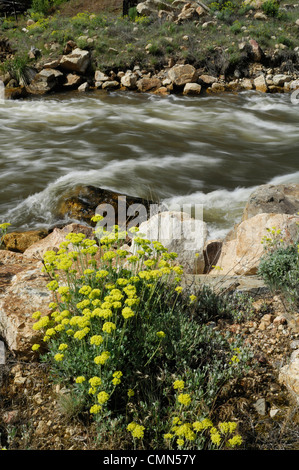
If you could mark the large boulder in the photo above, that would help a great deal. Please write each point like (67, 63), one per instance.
(54, 239)
(77, 61)
(82, 202)
(22, 292)
(192, 89)
(144, 9)
(256, 51)
(182, 74)
(152, 7)
(20, 241)
(260, 84)
(241, 253)
(269, 198)
(129, 80)
(179, 233)
(72, 80)
(45, 81)
(148, 84)
(188, 13)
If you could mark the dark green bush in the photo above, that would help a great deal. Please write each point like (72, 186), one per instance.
(279, 269)
(40, 6)
(271, 8)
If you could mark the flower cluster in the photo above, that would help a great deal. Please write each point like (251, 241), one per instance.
(106, 316)
(136, 430)
(185, 434)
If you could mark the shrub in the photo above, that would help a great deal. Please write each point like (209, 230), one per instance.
(286, 41)
(280, 270)
(121, 331)
(40, 6)
(3, 230)
(16, 66)
(236, 27)
(271, 8)
(279, 266)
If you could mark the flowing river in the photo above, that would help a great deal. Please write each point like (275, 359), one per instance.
(212, 150)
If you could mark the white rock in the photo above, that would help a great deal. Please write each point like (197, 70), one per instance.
(182, 74)
(77, 61)
(100, 76)
(84, 87)
(129, 80)
(192, 89)
(280, 79)
(179, 233)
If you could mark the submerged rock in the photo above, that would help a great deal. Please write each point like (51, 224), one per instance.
(82, 202)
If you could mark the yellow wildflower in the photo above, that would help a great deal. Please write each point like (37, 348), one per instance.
(96, 340)
(80, 379)
(102, 358)
(184, 399)
(215, 437)
(95, 381)
(58, 357)
(161, 334)
(108, 327)
(95, 409)
(102, 397)
(235, 441)
(127, 312)
(178, 384)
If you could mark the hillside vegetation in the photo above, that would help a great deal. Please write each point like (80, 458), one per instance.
(215, 42)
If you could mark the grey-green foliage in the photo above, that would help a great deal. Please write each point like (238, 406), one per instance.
(280, 270)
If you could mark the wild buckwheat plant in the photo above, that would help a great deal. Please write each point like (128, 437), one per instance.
(121, 328)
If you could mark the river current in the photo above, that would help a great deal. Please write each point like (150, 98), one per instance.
(210, 150)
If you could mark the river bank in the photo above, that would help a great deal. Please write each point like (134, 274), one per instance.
(186, 51)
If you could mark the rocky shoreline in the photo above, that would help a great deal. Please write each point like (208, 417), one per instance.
(255, 68)
(70, 72)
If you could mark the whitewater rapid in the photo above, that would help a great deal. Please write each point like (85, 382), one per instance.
(212, 151)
